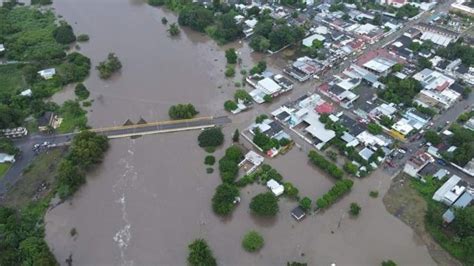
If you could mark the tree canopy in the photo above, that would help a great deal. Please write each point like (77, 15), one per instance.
(265, 204)
(252, 241)
(200, 254)
(211, 137)
(182, 111)
(223, 199)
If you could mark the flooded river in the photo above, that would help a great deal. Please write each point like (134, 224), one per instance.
(151, 196)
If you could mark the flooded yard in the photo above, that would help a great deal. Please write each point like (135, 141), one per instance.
(151, 196)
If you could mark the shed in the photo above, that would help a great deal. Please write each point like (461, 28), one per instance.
(6, 158)
(298, 213)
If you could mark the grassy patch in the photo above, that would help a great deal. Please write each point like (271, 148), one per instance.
(11, 79)
(74, 117)
(3, 169)
(40, 174)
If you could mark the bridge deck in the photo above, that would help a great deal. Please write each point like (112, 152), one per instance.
(160, 127)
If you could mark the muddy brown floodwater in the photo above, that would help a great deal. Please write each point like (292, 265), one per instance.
(151, 196)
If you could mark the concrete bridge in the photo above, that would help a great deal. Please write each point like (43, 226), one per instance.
(162, 127)
(56, 140)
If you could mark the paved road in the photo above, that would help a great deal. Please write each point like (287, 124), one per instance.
(26, 144)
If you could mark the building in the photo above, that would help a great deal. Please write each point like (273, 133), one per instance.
(26, 93)
(47, 73)
(416, 163)
(436, 90)
(48, 120)
(380, 66)
(276, 188)
(251, 162)
(17, 132)
(6, 158)
(269, 87)
(298, 213)
(303, 69)
(308, 41)
(450, 191)
(437, 35)
(394, 3)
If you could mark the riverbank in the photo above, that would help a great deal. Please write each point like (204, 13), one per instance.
(405, 203)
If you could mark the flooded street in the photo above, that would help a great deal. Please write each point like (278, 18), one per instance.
(151, 196)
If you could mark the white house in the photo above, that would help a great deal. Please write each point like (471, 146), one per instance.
(450, 191)
(47, 73)
(6, 158)
(268, 86)
(275, 187)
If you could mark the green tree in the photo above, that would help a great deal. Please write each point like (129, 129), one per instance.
(235, 137)
(424, 63)
(174, 29)
(397, 67)
(64, 34)
(354, 209)
(305, 204)
(231, 56)
(252, 241)
(7, 146)
(388, 263)
(259, 43)
(230, 106)
(290, 190)
(83, 38)
(264, 204)
(229, 72)
(211, 137)
(433, 137)
(243, 95)
(81, 91)
(108, 67)
(350, 168)
(374, 128)
(196, 17)
(200, 254)
(182, 111)
(223, 199)
(209, 160)
(463, 225)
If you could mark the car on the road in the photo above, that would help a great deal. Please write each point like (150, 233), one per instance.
(441, 162)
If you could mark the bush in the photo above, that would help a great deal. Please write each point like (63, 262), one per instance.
(290, 190)
(236, 136)
(210, 160)
(81, 91)
(40, 2)
(211, 137)
(209, 170)
(252, 242)
(388, 263)
(83, 38)
(182, 111)
(7, 146)
(325, 165)
(223, 199)
(242, 95)
(354, 209)
(305, 204)
(234, 154)
(265, 204)
(64, 34)
(229, 72)
(374, 128)
(374, 194)
(174, 29)
(350, 168)
(268, 98)
(231, 56)
(259, 68)
(108, 67)
(230, 106)
(156, 2)
(337, 191)
(228, 169)
(284, 142)
(259, 119)
(200, 254)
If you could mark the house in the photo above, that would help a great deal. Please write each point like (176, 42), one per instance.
(26, 93)
(437, 35)
(276, 188)
(268, 86)
(251, 162)
(402, 127)
(436, 89)
(308, 41)
(450, 191)
(6, 158)
(416, 163)
(298, 213)
(380, 66)
(248, 27)
(283, 82)
(47, 73)
(303, 69)
(48, 120)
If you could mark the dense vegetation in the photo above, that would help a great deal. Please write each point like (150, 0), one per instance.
(108, 67)
(337, 191)
(463, 139)
(228, 165)
(223, 199)
(458, 50)
(81, 91)
(7, 146)
(458, 237)
(87, 150)
(32, 37)
(64, 34)
(252, 241)
(264, 204)
(400, 90)
(182, 111)
(407, 11)
(274, 36)
(200, 254)
(325, 165)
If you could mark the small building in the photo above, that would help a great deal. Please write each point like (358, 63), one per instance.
(26, 93)
(298, 213)
(6, 158)
(48, 120)
(308, 41)
(450, 191)
(47, 73)
(251, 162)
(276, 188)
(416, 163)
